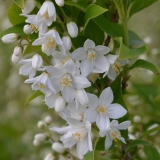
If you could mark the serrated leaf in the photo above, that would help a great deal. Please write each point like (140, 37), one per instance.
(93, 11)
(151, 153)
(111, 28)
(135, 143)
(34, 95)
(20, 3)
(126, 53)
(75, 4)
(14, 15)
(140, 63)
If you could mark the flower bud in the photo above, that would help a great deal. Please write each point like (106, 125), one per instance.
(72, 29)
(15, 59)
(60, 2)
(41, 125)
(48, 120)
(28, 6)
(37, 61)
(49, 156)
(36, 142)
(40, 137)
(59, 104)
(10, 38)
(58, 147)
(67, 42)
(17, 51)
(27, 29)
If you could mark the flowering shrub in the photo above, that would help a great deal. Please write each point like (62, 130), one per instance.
(79, 59)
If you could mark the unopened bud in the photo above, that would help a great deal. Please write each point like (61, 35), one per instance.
(58, 147)
(60, 2)
(49, 156)
(41, 137)
(48, 120)
(27, 29)
(41, 125)
(15, 59)
(67, 42)
(72, 29)
(137, 119)
(59, 104)
(10, 38)
(28, 6)
(37, 61)
(36, 142)
(17, 51)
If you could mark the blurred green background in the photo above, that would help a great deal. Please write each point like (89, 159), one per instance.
(18, 122)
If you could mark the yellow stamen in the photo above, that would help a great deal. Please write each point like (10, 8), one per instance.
(40, 85)
(46, 15)
(77, 136)
(102, 110)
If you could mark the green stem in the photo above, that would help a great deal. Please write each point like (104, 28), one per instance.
(63, 13)
(60, 21)
(125, 28)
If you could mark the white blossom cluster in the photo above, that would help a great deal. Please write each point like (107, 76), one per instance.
(64, 83)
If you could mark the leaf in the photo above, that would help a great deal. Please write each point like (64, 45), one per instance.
(151, 153)
(14, 15)
(134, 39)
(93, 11)
(126, 53)
(135, 143)
(20, 3)
(100, 144)
(140, 63)
(89, 156)
(75, 4)
(138, 5)
(111, 28)
(34, 95)
(94, 33)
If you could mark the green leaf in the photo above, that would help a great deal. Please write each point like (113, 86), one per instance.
(94, 33)
(151, 153)
(20, 3)
(14, 15)
(135, 143)
(89, 156)
(111, 28)
(126, 53)
(34, 95)
(140, 63)
(75, 4)
(134, 39)
(93, 11)
(138, 5)
(100, 144)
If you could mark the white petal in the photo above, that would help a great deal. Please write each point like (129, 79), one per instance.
(50, 100)
(111, 58)
(70, 67)
(101, 50)
(90, 115)
(86, 67)
(59, 104)
(106, 97)
(80, 82)
(58, 38)
(55, 72)
(101, 63)
(108, 141)
(93, 100)
(39, 41)
(111, 74)
(89, 44)
(116, 111)
(62, 130)
(68, 94)
(57, 85)
(114, 123)
(79, 54)
(123, 140)
(123, 125)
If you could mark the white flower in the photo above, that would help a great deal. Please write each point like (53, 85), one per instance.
(49, 156)
(48, 120)
(10, 38)
(58, 147)
(29, 5)
(60, 2)
(42, 83)
(49, 41)
(100, 110)
(15, 59)
(67, 81)
(41, 137)
(72, 29)
(27, 29)
(17, 51)
(78, 133)
(67, 42)
(37, 61)
(113, 132)
(92, 57)
(47, 12)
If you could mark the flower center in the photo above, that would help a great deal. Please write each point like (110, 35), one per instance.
(46, 15)
(117, 67)
(115, 135)
(51, 43)
(64, 62)
(91, 55)
(102, 110)
(77, 136)
(40, 85)
(66, 81)
(34, 28)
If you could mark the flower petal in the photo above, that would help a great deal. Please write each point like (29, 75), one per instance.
(68, 94)
(124, 125)
(70, 67)
(89, 44)
(55, 72)
(108, 141)
(93, 100)
(116, 111)
(90, 115)
(39, 41)
(50, 100)
(106, 97)
(101, 50)
(62, 130)
(111, 74)
(111, 58)
(79, 54)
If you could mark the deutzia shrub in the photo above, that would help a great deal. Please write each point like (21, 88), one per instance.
(80, 60)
